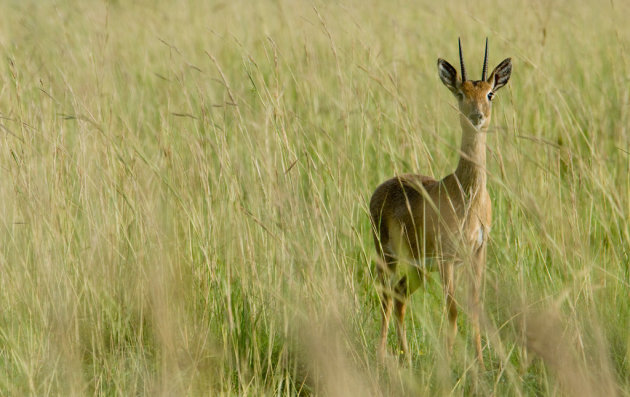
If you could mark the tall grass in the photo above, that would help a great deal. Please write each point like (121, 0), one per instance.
(185, 185)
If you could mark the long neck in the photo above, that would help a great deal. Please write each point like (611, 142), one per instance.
(471, 169)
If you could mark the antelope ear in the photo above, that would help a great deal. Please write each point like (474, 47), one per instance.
(501, 74)
(448, 75)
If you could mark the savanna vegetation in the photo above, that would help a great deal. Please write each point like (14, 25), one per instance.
(184, 192)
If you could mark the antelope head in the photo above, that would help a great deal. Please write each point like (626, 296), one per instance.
(474, 97)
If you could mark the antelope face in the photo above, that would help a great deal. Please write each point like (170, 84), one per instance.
(475, 102)
(475, 97)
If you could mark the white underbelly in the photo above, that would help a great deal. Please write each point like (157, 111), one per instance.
(479, 236)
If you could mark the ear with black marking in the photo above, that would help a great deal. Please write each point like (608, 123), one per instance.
(448, 75)
(501, 74)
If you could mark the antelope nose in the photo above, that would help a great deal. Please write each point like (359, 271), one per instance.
(476, 118)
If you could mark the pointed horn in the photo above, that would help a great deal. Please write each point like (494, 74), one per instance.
(485, 63)
(461, 60)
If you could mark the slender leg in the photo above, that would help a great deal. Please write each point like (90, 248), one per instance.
(386, 303)
(384, 275)
(448, 283)
(479, 266)
(400, 307)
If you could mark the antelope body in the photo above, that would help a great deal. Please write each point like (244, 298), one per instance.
(422, 224)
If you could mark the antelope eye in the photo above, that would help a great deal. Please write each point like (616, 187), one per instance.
(490, 95)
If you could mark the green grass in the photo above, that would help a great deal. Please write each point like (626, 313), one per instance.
(184, 196)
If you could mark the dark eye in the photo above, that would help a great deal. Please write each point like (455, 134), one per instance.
(490, 95)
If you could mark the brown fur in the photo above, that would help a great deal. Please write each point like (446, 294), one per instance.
(418, 219)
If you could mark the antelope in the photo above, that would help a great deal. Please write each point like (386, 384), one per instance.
(421, 224)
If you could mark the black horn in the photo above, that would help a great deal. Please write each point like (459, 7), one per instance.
(461, 60)
(485, 63)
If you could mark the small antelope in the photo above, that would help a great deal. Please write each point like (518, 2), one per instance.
(421, 224)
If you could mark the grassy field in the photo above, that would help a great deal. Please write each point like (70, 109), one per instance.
(184, 193)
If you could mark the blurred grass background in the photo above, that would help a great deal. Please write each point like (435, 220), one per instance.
(185, 185)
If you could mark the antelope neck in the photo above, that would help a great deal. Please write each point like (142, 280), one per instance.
(471, 169)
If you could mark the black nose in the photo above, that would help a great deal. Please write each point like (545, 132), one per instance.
(476, 118)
